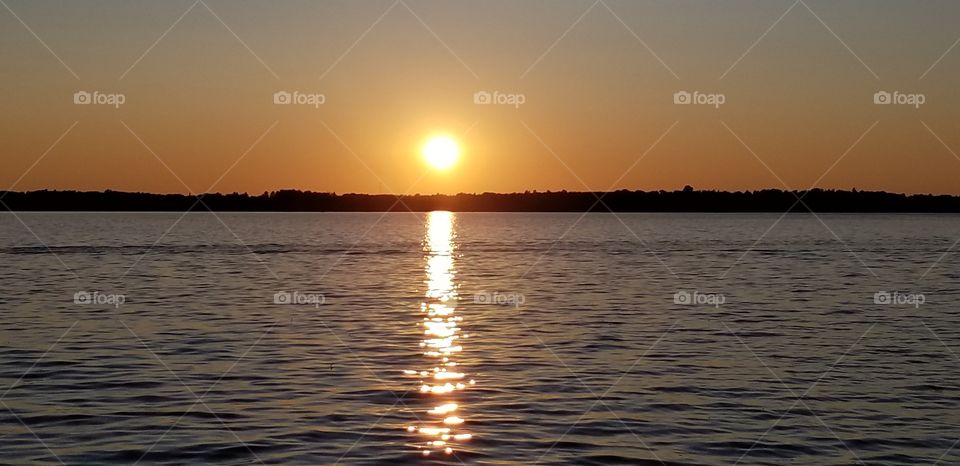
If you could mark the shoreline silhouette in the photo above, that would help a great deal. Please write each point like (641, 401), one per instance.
(685, 200)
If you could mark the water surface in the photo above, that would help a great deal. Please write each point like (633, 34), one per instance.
(533, 338)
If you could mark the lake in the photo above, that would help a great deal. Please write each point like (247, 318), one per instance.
(473, 338)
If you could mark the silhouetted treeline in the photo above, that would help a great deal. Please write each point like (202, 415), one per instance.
(686, 200)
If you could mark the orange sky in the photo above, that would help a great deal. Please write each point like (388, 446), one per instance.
(597, 79)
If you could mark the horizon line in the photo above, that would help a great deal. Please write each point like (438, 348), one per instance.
(687, 188)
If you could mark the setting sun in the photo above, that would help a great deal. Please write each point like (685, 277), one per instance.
(441, 152)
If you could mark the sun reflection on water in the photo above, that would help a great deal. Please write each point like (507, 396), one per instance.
(442, 428)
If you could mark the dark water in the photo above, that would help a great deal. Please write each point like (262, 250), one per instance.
(638, 339)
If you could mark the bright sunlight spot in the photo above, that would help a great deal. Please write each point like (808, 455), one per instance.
(441, 152)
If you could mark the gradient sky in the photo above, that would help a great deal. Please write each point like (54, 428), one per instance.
(799, 105)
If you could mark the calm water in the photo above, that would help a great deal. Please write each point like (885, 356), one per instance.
(479, 339)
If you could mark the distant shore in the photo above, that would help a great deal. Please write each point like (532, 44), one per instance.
(686, 200)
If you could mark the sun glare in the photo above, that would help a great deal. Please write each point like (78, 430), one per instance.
(441, 152)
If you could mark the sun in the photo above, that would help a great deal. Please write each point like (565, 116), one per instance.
(441, 152)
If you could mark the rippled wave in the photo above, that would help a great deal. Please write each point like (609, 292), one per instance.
(578, 350)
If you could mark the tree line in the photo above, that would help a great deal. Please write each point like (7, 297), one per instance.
(685, 200)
